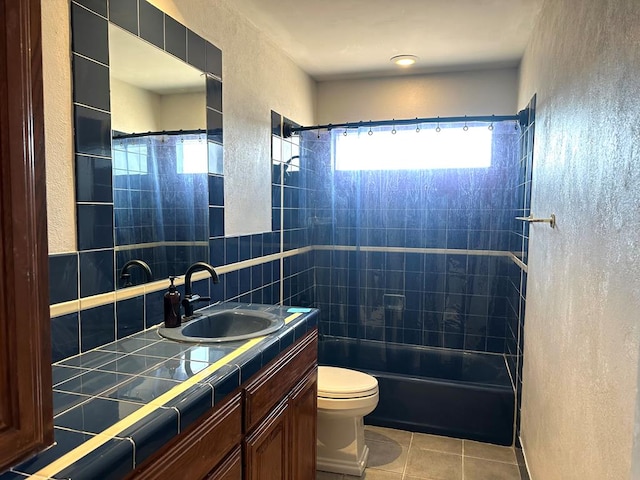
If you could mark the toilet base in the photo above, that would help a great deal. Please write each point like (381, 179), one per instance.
(341, 447)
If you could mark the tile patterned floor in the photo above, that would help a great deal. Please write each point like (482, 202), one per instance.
(400, 455)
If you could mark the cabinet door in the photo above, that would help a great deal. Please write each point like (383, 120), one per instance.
(302, 427)
(26, 412)
(267, 448)
(230, 469)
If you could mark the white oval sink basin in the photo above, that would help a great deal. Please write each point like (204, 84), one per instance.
(225, 326)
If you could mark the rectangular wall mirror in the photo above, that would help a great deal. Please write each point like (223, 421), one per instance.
(159, 152)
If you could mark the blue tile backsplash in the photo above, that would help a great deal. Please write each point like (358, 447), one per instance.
(97, 327)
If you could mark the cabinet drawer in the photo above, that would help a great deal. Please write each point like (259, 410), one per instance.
(194, 453)
(278, 379)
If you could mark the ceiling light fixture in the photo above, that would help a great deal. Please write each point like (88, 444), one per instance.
(404, 60)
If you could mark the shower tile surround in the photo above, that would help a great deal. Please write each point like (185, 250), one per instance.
(417, 257)
(518, 271)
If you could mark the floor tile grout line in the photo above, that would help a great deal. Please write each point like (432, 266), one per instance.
(406, 462)
(462, 476)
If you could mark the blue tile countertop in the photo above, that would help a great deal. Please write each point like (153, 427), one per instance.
(116, 405)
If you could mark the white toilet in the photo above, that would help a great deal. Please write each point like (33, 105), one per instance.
(344, 397)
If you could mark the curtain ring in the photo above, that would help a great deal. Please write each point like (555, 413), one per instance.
(466, 127)
(438, 127)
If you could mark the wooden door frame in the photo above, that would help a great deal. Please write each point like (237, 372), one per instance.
(26, 413)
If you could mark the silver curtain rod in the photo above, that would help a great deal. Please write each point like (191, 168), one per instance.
(521, 117)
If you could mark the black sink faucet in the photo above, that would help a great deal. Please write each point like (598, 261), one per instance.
(189, 298)
(126, 276)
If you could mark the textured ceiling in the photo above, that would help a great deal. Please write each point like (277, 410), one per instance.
(354, 38)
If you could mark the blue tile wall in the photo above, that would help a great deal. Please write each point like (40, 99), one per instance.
(298, 280)
(213, 57)
(63, 277)
(89, 34)
(151, 24)
(124, 13)
(436, 299)
(65, 339)
(92, 131)
(129, 316)
(214, 126)
(196, 55)
(214, 93)
(93, 179)
(520, 246)
(97, 327)
(290, 190)
(96, 272)
(91, 81)
(175, 38)
(97, 6)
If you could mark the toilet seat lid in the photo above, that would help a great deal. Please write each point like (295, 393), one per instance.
(335, 382)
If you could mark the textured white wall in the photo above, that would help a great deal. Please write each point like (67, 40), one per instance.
(483, 92)
(134, 110)
(183, 111)
(58, 124)
(583, 295)
(258, 78)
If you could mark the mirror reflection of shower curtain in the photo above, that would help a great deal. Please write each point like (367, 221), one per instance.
(161, 208)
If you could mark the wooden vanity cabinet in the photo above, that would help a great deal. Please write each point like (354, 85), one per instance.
(283, 445)
(280, 416)
(265, 431)
(303, 427)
